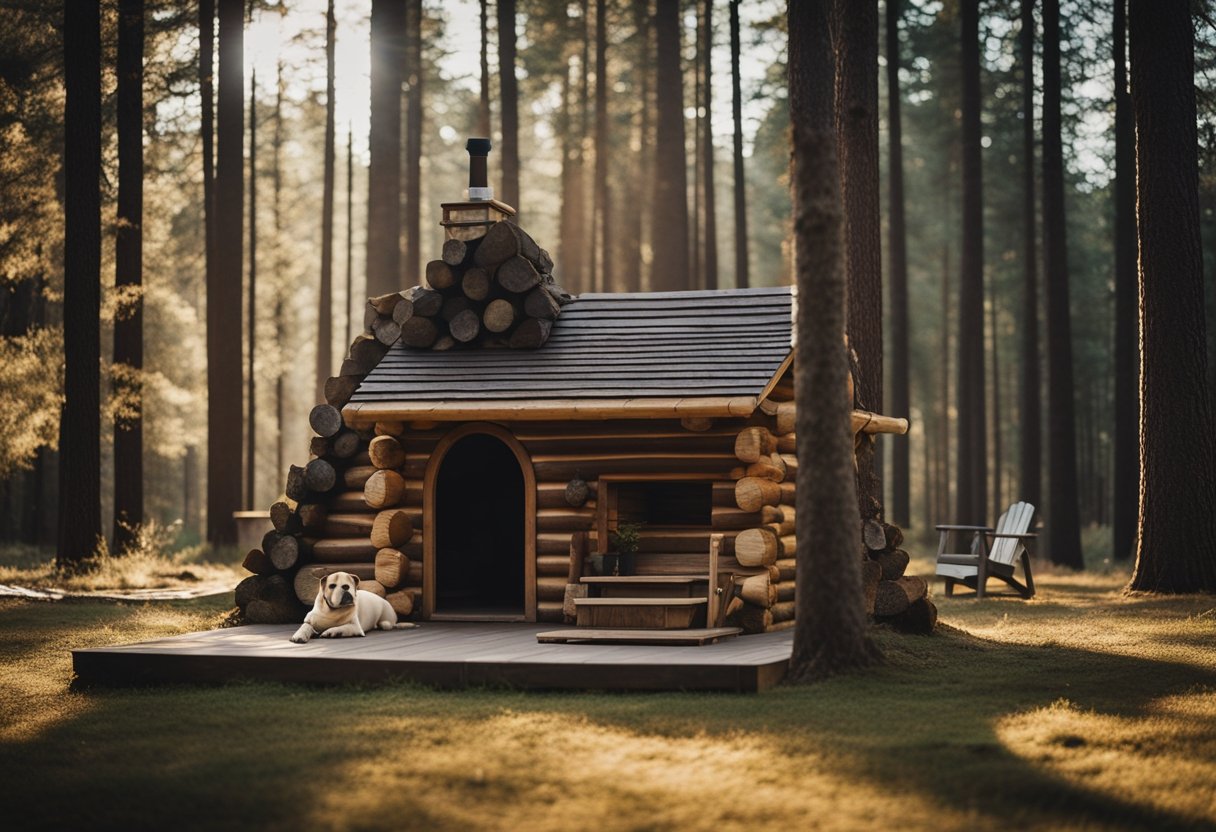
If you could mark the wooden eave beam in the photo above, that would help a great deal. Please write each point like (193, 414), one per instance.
(361, 414)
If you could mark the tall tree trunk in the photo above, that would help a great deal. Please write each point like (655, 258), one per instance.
(710, 266)
(483, 108)
(251, 398)
(508, 102)
(413, 143)
(1063, 513)
(972, 490)
(1031, 451)
(997, 495)
(742, 278)
(80, 421)
(943, 406)
(348, 312)
(224, 302)
(635, 271)
(280, 322)
(206, 83)
(669, 234)
(1176, 549)
(599, 211)
(855, 26)
(1127, 348)
(325, 313)
(128, 263)
(384, 146)
(572, 249)
(897, 247)
(830, 625)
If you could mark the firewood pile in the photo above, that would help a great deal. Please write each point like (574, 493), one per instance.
(891, 596)
(341, 513)
(493, 291)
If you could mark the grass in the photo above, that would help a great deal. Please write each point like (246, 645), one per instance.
(1083, 709)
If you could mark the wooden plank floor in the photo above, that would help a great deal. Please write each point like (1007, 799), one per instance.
(443, 654)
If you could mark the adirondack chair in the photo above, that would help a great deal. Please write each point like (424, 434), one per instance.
(995, 553)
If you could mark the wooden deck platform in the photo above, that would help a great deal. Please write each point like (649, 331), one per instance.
(443, 654)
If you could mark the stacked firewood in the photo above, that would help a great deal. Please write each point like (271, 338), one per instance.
(764, 483)
(891, 596)
(493, 291)
(326, 525)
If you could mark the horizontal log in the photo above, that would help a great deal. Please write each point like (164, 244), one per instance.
(553, 565)
(402, 603)
(786, 568)
(752, 493)
(357, 476)
(892, 562)
(348, 525)
(352, 501)
(386, 452)
(565, 519)
(919, 618)
(257, 562)
(553, 494)
(758, 590)
(313, 516)
(785, 590)
(893, 597)
(284, 518)
(550, 468)
(392, 567)
(783, 611)
(325, 420)
(389, 428)
(344, 550)
(754, 619)
(549, 588)
(549, 611)
(384, 489)
(391, 528)
(580, 446)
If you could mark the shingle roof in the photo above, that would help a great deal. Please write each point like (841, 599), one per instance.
(640, 344)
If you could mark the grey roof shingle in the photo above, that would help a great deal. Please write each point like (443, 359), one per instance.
(639, 344)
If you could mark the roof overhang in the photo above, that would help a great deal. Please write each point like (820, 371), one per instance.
(363, 414)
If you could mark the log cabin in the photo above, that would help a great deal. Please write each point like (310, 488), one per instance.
(467, 472)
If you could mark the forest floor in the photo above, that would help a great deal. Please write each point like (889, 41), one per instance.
(1083, 709)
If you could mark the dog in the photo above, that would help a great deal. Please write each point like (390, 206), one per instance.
(342, 610)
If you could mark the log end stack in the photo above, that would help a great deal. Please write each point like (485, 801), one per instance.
(343, 511)
(892, 597)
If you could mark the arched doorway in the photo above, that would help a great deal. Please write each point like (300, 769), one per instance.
(479, 527)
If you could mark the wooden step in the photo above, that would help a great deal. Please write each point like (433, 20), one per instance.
(640, 613)
(674, 638)
(647, 586)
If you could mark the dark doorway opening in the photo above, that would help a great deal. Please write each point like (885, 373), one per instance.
(479, 529)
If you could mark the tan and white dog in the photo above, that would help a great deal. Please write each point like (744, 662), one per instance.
(342, 609)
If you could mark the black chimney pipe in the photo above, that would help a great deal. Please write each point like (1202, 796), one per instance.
(479, 185)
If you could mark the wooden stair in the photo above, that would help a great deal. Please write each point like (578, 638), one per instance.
(673, 638)
(641, 613)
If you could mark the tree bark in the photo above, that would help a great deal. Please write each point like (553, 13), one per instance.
(224, 306)
(855, 27)
(508, 102)
(1031, 452)
(128, 262)
(413, 142)
(1063, 513)
(483, 108)
(384, 146)
(742, 279)
(251, 379)
(80, 421)
(347, 314)
(669, 230)
(897, 246)
(710, 265)
(1127, 347)
(325, 313)
(1176, 549)
(972, 491)
(600, 241)
(830, 628)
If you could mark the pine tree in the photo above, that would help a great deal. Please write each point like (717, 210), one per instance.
(742, 278)
(669, 234)
(384, 148)
(508, 102)
(325, 292)
(897, 246)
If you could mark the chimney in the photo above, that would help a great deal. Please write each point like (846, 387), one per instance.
(472, 218)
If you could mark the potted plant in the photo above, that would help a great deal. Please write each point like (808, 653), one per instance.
(624, 539)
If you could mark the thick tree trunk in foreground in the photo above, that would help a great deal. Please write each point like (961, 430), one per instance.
(384, 148)
(830, 628)
(80, 422)
(1031, 407)
(483, 104)
(224, 299)
(508, 102)
(413, 144)
(599, 213)
(128, 263)
(1176, 550)
(897, 246)
(251, 379)
(741, 253)
(1127, 348)
(325, 314)
(1063, 513)
(972, 482)
(710, 263)
(669, 233)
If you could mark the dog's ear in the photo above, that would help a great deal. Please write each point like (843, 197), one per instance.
(354, 580)
(321, 577)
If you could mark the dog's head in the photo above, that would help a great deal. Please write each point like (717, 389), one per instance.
(338, 589)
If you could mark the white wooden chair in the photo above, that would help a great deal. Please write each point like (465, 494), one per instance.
(995, 553)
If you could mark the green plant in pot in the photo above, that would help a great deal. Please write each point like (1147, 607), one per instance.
(624, 540)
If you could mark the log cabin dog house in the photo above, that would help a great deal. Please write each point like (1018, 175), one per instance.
(472, 481)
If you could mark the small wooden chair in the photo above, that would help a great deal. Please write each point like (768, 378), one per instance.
(995, 553)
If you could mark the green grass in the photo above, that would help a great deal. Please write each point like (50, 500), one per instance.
(1083, 709)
